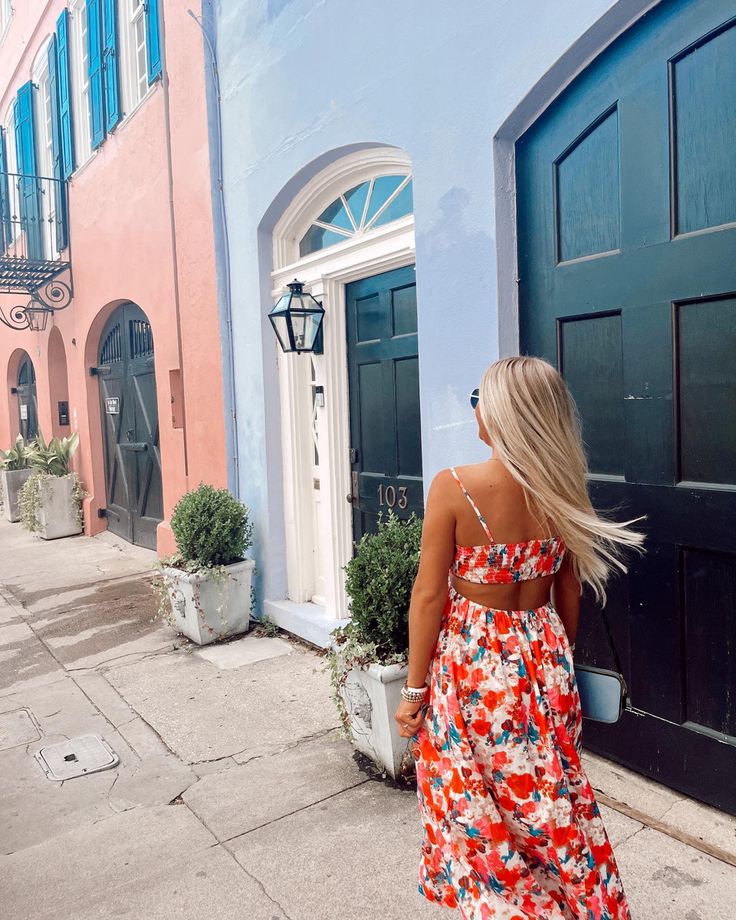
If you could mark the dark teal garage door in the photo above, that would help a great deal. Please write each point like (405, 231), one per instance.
(627, 251)
(130, 426)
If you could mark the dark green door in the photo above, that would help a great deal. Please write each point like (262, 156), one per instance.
(386, 440)
(27, 401)
(627, 250)
(130, 427)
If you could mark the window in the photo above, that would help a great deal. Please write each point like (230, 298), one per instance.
(80, 80)
(376, 201)
(13, 208)
(134, 52)
(44, 147)
(6, 14)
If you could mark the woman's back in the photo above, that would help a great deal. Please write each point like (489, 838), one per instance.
(496, 530)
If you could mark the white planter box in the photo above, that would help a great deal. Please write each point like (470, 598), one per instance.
(210, 607)
(58, 511)
(13, 481)
(372, 696)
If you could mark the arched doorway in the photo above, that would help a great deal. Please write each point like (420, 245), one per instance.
(25, 391)
(350, 416)
(130, 426)
(58, 385)
(626, 205)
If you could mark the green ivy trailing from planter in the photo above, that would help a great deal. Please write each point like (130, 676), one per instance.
(29, 502)
(379, 580)
(29, 499)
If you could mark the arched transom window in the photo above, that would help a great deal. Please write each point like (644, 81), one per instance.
(370, 204)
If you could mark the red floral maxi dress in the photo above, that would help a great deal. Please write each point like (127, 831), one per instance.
(512, 829)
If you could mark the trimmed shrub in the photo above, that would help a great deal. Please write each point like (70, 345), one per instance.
(211, 527)
(379, 580)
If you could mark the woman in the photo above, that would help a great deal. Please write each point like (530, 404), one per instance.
(512, 829)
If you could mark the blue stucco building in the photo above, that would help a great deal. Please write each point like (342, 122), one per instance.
(457, 182)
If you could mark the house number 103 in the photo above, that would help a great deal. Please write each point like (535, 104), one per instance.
(390, 496)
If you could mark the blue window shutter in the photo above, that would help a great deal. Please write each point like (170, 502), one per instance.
(153, 39)
(58, 190)
(94, 65)
(54, 100)
(66, 126)
(25, 150)
(110, 63)
(6, 230)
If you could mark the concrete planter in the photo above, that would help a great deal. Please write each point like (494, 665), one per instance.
(12, 482)
(372, 696)
(210, 606)
(58, 512)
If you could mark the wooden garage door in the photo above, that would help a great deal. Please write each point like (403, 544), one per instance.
(627, 249)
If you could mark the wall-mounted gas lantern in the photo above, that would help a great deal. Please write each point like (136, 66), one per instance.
(38, 316)
(297, 320)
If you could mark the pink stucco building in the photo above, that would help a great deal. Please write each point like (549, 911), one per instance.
(108, 97)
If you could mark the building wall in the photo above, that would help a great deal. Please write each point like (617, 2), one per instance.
(141, 230)
(304, 83)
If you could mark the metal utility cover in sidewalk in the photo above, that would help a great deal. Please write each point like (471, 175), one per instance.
(76, 757)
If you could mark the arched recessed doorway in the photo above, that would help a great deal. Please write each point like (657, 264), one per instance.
(627, 233)
(350, 417)
(58, 385)
(25, 391)
(130, 426)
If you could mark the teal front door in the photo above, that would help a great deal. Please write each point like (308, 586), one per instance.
(383, 371)
(627, 264)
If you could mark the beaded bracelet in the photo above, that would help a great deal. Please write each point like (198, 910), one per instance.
(413, 694)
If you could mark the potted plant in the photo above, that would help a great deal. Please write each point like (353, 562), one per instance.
(16, 468)
(206, 586)
(51, 499)
(368, 657)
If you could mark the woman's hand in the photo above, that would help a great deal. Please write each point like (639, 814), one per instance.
(409, 716)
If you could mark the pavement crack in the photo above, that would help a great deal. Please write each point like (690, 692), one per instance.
(296, 811)
(258, 882)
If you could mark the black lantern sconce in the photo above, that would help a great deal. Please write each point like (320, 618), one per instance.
(38, 316)
(297, 321)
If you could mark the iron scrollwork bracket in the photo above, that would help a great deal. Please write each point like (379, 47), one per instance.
(15, 318)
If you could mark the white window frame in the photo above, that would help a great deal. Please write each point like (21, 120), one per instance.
(132, 79)
(79, 82)
(12, 161)
(44, 145)
(327, 520)
(6, 15)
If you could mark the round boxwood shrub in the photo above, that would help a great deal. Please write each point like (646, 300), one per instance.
(211, 527)
(379, 579)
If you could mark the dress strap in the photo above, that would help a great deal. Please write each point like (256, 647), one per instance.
(473, 505)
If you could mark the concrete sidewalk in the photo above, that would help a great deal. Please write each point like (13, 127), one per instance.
(234, 796)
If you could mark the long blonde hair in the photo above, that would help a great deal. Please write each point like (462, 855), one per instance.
(534, 427)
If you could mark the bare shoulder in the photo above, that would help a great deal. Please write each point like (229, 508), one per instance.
(489, 472)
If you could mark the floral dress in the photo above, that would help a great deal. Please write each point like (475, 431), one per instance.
(512, 829)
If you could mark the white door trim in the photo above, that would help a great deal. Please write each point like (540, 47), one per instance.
(325, 274)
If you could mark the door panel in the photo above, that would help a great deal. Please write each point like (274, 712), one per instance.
(130, 427)
(27, 401)
(627, 234)
(384, 398)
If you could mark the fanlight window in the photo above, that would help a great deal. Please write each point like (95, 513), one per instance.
(370, 204)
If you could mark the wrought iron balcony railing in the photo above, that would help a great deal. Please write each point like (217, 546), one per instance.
(35, 249)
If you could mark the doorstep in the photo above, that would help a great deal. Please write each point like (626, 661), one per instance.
(307, 621)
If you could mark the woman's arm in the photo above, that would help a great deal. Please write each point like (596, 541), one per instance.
(566, 597)
(429, 594)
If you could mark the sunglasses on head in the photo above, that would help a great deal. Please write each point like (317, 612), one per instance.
(475, 398)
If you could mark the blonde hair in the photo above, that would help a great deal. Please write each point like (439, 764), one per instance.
(534, 426)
